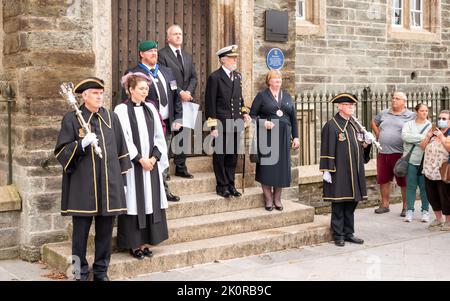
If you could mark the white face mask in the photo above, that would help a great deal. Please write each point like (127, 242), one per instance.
(442, 124)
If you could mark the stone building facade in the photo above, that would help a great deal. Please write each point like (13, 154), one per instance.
(335, 45)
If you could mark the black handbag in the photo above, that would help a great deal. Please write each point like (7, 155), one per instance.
(401, 166)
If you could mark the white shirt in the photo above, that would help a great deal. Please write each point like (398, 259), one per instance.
(227, 71)
(174, 50)
(163, 110)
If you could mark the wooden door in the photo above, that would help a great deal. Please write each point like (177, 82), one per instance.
(136, 20)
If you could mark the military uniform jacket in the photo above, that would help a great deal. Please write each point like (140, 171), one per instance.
(223, 97)
(93, 186)
(344, 157)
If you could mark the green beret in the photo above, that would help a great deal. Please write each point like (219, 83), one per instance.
(147, 45)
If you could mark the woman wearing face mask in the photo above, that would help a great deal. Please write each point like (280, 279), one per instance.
(145, 223)
(413, 133)
(437, 147)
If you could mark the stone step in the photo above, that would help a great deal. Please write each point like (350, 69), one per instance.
(204, 182)
(210, 202)
(228, 223)
(195, 165)
(174, 256)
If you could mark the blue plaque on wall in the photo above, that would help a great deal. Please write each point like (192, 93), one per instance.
(275, 59)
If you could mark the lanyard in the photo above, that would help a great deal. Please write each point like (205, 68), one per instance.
(154, 74)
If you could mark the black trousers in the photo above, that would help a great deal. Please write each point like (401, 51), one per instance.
(225, 161)
(438, 194)
(103, 238)
(342, 219)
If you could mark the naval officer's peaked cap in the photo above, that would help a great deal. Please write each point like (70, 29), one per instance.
(228, 51)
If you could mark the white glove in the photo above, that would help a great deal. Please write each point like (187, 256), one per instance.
(88, 140)
(327, 177)
(369, 138)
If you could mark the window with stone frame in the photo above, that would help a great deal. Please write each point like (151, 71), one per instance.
(397, 12)
(415, 19)
(301, 9)
(416, 13)
(310, 16)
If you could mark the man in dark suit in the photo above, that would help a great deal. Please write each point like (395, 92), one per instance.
(181, 64)
(224, 105)
(163, 94)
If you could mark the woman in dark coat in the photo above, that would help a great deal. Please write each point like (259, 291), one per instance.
(277, 123)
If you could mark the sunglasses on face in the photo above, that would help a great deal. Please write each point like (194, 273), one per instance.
(442, 118)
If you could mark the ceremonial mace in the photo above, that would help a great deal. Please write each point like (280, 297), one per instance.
(364, 131)
(66, 91)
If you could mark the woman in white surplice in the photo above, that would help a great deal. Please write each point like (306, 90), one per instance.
(145, 224)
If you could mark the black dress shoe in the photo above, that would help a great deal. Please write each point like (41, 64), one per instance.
(147, 252)
(184, 174)
(339, 242)
(138, 254)
(225, 193)
(234, 192)
(172, 198)
(104, 278)
(269, 208)
(354, 240)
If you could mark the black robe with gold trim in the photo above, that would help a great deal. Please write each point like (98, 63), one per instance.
(344, 157)
(93, 186)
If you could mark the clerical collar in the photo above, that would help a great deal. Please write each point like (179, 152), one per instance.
(136, 104)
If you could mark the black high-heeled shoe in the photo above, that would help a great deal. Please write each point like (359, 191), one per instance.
(147, 252)
(269, 208)
(279, 208)
(138, 254)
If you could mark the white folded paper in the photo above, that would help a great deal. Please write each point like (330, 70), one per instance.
(190, 111)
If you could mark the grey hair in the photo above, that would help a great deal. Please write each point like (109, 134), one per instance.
(172, 27)
(445, 112)
(405, 98)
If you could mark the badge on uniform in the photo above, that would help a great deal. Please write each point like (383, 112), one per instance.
(360, 137)
(280, 113)
(342, 136)
(173, 85)
(81, 133)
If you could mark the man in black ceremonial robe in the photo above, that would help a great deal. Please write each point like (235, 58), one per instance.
(92, 186)
(344, 151)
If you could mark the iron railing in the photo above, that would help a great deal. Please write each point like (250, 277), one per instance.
(315, 109)
(8, 94)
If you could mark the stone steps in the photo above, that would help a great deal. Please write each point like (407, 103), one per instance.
(204, 182)
(178, 255)
(203, 164)
(227, 223)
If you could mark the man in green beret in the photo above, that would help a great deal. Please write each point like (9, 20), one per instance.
(163, 94)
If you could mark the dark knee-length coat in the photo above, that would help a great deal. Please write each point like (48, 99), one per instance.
(92, 186)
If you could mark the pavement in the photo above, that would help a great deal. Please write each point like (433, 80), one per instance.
(393, 250)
